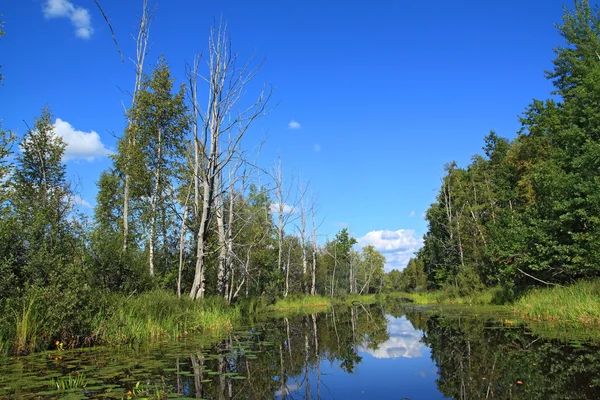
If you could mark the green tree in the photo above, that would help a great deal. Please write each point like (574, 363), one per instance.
(337, 264)
(370, 273)
(161, 124)
(48, 254)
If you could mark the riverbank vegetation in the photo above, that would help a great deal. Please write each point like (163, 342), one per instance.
(525, 214)
(188, 232)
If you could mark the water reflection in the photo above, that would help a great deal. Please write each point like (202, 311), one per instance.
(404, 341)
(362, 352)
(478, 359)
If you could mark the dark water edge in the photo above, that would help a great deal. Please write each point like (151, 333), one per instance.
(382, 351)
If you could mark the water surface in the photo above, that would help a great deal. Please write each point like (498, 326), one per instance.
(364, 352)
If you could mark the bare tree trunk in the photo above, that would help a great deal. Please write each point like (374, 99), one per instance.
(153, 205)
(222, 242)
(287, 271)
(182, 241)
(141, 52)
(313, 289)
(197, 291)
(460, 246)
(280, 212)
(303, 239)
(351, 276)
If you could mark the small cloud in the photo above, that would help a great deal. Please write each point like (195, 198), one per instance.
(412, 213)
(396, 246)
(79, 16)
(317, 147)
(294, 125)
(283, 208)
(78, 201)
(85, 145)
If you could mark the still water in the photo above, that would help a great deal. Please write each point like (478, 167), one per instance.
(365, 352)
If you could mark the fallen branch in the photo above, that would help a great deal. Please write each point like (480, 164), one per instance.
(537, 279)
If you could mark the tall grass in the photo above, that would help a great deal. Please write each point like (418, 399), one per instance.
(156, 315)
(26, 328)
(300, 303)
(161, 315)
(577, 303)
(489, 296)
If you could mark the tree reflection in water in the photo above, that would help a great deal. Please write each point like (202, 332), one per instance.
(283, 358)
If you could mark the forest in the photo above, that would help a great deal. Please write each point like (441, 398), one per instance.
(526, 212)
(185, 211)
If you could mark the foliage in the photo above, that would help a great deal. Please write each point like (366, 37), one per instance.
(527, 212)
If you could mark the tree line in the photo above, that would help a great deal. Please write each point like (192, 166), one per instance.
(527, 211)
(184, 207)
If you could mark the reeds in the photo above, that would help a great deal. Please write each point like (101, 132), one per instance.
(161, 315)
(578, 303)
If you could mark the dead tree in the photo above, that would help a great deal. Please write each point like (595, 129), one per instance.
(222, 117)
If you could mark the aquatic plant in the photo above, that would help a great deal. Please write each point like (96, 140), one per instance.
(63, 383)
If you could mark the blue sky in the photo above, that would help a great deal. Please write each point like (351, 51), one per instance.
(371, 99)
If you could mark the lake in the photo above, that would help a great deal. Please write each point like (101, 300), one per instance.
(391, 351)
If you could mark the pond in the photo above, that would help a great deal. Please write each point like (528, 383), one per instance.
(365, 352)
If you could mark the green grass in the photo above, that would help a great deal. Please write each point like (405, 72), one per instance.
(300, 303)
(25, 328)
(146, 317)
(161, 315)
(578, 303)
(490, 296)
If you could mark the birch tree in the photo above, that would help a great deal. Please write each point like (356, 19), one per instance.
(128, 142)
(303, 218)
(161, 123)
(315, 248)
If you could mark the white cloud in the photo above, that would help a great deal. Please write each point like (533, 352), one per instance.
(79, 16)
(404, 341)
(85, 145)
(397, 246)
(285, 208)
(412, 213)
(294, 125)
(317, 147)
(79, 201)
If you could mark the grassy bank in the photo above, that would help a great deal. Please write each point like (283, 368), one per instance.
(157, 315)
(578, 303)
(118, 319)
(490, 296)
(301, 303)
(160, 315)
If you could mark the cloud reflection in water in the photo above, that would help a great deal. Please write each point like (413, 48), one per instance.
(404, 341)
